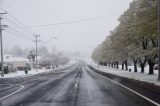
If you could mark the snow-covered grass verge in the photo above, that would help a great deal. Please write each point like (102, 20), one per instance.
(33, 72)
(131, 75)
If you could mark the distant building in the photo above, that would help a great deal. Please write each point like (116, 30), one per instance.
(15, 63)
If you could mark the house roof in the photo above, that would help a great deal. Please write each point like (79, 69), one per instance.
(12, 58)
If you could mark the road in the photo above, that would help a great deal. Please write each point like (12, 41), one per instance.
(75, 86)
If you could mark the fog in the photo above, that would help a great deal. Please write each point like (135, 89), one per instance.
(81, 36)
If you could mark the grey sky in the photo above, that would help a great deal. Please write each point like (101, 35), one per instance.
(83, 36)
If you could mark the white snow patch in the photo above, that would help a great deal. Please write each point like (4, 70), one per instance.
(33, 71)
(132, 75)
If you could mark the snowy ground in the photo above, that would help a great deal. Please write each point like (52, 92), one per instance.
(33, 72)
(132, 75)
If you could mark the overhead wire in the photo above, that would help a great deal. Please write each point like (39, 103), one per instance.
(10, 21)
(16, 34)
(20, 32)
(48, 40)
(16, 31)
(54, 24)
(61, 23)
(18, 21)
(70, 22)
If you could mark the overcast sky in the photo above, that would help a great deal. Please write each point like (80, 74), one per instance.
(82, 36)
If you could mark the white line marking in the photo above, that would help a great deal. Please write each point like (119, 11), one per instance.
(76, 85)
(4, 97)
(144, 97)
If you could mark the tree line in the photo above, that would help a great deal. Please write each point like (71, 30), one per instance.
(54, 59)
(134, 40)
(48, 58)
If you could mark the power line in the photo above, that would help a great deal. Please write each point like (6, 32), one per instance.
(15, 24)
(62, 23)
(16, 34)
(48, 40)
(75, 21)
(26, 35)
(18, 21)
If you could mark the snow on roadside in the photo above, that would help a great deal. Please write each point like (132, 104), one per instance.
(132, 75)
(22, 73)
(33, 72)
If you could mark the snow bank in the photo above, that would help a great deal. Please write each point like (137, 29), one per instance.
(33, 72)
(132, 75)
(22, 73)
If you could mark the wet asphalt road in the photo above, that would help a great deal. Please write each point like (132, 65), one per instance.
(76, 86)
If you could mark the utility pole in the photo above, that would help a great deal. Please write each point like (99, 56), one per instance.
(36, 41)
(1, 40)
(159, 40)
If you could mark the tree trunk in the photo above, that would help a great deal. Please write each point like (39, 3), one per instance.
(142, 64)
(151, 67)
(158, 75)
(122, 66)
(135, 65)
(52, 66)
(117, 65)
(114, 64)
(142, 68)
(126, 65)
(105, 63)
